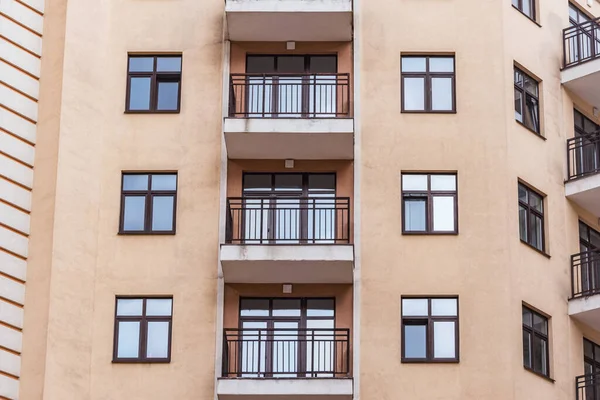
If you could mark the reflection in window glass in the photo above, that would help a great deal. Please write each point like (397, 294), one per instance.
(154, 84)
(162, 213)
(441, 94)
(415, 341)
(414, 215)
(158, 339)
(139, 94)
(414, 94)
(129, 339)
(168, 95)
(535, 342)
(134, 213)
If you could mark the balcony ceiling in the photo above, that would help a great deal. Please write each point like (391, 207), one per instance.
(585, 192)
(583, 80)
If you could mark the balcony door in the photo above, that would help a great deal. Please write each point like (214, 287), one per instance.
(591, 361)
(298, 86)
(287, 337)
(589, 247)
(290, 208)
(587, 152)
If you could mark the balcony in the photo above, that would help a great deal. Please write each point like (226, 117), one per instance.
(288, 240)
(285, 20)
(587, 387)
(583, 183)
(301, 364)
(299, 116)
(584, 304)
(581, 72)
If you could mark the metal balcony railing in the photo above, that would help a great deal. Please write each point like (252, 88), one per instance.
(289, 95)
(587, 387)
(581, 43)
(585, 274)
(583, 155)
(288, 220)
(286, 353)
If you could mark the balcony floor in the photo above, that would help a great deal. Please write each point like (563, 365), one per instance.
(290, 389)
(585, 192)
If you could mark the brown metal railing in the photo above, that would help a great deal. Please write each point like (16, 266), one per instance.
(286, 353)
(587, 387)
(585, 274)
(583, 155)
(289, 95)
(581, 43)
(288, 220)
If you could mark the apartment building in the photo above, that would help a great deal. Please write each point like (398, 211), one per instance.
(299, 199)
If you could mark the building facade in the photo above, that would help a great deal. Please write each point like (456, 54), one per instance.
(299, 199)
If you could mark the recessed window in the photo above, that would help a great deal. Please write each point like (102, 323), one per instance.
(428, 84)
(143, 329)
(154, 84)
(527, 7)
(531, 217)
(527, 103)
(148, 203)
(429, 203)
(535, 342)
(430, 329)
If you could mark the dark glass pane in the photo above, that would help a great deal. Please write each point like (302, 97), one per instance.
(527, 349)
(415, 215)
(254, 307)
(260, 64)
(532, 118)
(321, 182)
(288, 182)
(290, 64)
(415, 341)
(523, 233)
(540, 354)
(168, 64)
(588, 349)
(536, 232)
(527, 320)
(595, 239)
(323, 64)
(168, 96)
(320, 308)
(139, 93)
(578, 117)
(583, 231)
(134, 213)
(286, 307)
(162, 213)
(540, 324)
(141, 64)
(257, 182)
(589, 126)
(536, 202)
(531, 86)
(523, 194)
(518, 105)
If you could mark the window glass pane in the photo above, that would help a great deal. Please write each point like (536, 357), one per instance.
(168, 95)
(323, 64)
(135, 182)
(414, 94)
(254, 307)
(443, 182)
(257, 182)
(141, 64)
(414, 182)
(158, 307)
(162, 213)
(588, 349)
(444, 307)
(415, 341)
(260, 64)
(595, 239)
(157, 345)
(526, 349)
(286, 307)
(290, 64)
(414, 308)
(532, 119)
(573, 13)
(523, 234)
(527, 317)
(444, 339)
(515, 3)
(139, 93)
(536, 202)
(320, 307)
(539, 355)
(164, 182)
(441, 64)
(527, 8)
(414, 215)
(443, 213)
(441, 94)
(128, 341)
(518, 105)
(168, 64)
(540, 324)
(589, 126)
(134, 213)
(288, 182)
(531, 86)
(583, 231)
(518, 78)
(523, 194)
(536, 239)
(597, 353)
(129, 307)
(413, 64)
(321, 182)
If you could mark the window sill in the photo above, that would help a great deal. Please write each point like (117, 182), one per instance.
(539, 135)
(146, 361)
(536, 249)
(428, 361)
(417, 233)
(125, 233)
(538, 374)
(151, 112)
(427, 112)
(527, 16)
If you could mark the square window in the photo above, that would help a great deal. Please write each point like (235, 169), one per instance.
(428, 84)
(153, 84)
(535, 342)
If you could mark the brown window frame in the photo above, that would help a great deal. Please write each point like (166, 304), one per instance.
(530, 210)
(525, 95)
(149, 195)
(428, 195)
(519, 7)
(428, 322)
(270, 319)
(541, 336)
(427, 75)
(155, 78)
(143, 336)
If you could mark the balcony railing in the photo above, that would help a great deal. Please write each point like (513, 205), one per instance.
(288, 220)
(289, 95)
(581, 43)
(583, 155)
(588, 387)
(286, 353)
(585, 274)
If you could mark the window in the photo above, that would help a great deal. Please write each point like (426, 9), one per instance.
(428, 84)
(576, 16)
(153, 84)
(429, 203)
(430, 329)
(535, 342)
(527, 7)
(531, 217)
(584, 150)
(148, 203)
(143, 329)
(527, 104)
(591, 363)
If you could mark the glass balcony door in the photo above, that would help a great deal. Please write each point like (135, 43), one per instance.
(591, 360)
(587, 151)
(589, 242)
